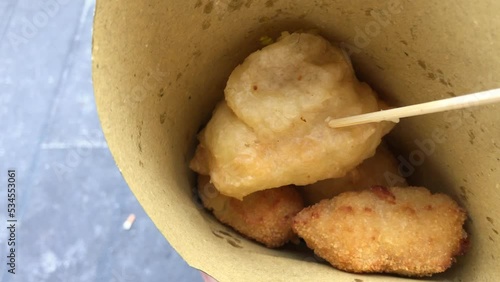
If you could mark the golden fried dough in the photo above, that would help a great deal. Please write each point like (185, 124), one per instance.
(406, 231)
(271, 130)
(265, 216)
(381, 169)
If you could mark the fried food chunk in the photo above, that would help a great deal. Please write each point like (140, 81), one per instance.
(265, 216)
(381, 169)
(406, 231)
(271, 130)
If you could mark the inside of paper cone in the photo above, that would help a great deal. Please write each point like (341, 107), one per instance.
(161, 66)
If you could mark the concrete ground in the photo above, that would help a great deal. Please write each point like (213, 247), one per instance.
(71, 198)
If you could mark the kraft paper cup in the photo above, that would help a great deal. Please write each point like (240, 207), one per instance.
(161, 66)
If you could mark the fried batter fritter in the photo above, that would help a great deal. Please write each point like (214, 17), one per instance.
(265, 216)
(271, 130)
(406, 231)
(381, 169)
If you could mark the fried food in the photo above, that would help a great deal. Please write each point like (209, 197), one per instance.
(265, 216)
(406, 231)
(271, 130)
(381, 169)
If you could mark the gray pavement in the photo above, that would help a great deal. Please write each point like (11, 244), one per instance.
(71, 198)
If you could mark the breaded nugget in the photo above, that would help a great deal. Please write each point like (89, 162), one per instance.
(381, 169)
(271, 130)
(265, 216)
(406, 231)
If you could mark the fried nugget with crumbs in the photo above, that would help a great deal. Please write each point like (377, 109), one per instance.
(406, 231)
(265, 216)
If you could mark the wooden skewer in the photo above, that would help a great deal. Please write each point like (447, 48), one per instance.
(393, 115)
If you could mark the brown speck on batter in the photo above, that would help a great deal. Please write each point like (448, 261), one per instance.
(383, 193)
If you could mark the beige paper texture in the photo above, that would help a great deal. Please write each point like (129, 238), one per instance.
(160, 66)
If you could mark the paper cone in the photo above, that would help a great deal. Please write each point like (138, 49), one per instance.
(159, 67)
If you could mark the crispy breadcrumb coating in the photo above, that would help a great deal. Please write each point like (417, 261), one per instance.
(405, 231)
(265, 216)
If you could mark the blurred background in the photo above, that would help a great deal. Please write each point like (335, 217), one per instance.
(71, 198)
